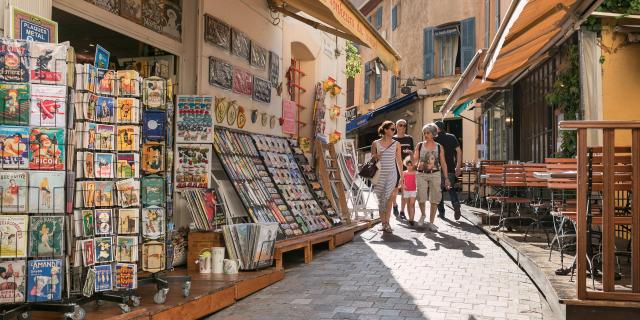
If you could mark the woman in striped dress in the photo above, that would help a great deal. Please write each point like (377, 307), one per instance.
(387, 152)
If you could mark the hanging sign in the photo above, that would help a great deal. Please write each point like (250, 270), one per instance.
(289, 115)
(28, 26)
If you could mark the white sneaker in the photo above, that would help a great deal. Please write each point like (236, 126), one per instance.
(421, 221)
(432, 227)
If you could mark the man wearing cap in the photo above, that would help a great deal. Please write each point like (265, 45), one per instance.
(406, 150)
(453, 157)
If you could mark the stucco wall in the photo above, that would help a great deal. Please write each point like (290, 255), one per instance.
(620, 80)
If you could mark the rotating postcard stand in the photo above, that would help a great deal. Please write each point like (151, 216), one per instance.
(33, 182)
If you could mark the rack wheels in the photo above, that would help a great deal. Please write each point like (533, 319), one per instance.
(161, 296)
(186, 288)
(78, 314)
(124, 307)
(24, 315)
(135, 301)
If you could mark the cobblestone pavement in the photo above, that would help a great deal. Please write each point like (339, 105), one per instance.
(456, 273)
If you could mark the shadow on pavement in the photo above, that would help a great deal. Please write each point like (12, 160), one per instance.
(447, 241)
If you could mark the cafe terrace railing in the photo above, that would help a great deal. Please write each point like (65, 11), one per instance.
(614, 168)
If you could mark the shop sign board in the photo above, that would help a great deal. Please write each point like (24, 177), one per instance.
(28, 26)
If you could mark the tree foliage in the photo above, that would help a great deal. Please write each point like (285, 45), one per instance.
(354, 63)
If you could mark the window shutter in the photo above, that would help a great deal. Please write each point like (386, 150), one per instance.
(468, 40)
(428, 54)
(379, 18)
(487, 23)
(394, 17)
(378, 85)
(393, 86)
(370, 18)
(366, 82)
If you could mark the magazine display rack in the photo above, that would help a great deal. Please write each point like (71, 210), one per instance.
(34, 186)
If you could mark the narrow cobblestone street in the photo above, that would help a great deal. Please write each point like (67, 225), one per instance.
(456, 273)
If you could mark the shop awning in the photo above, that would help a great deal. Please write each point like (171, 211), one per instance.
(341, 18)
(365, 118)
(529, 30)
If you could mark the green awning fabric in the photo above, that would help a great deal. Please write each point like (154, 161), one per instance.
(461, 108)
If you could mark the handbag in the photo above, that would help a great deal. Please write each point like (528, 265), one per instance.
(369, 169)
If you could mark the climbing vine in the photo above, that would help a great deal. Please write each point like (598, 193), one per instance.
(354, 64)
(565, 95)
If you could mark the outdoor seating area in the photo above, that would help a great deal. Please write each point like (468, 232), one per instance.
(571, 208)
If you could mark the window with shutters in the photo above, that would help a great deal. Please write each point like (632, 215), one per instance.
(393, 87)
(372, 80)
(379, 18)
(447, 48)
(394, 17)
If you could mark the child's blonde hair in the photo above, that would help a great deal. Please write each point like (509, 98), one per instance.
(406, 161)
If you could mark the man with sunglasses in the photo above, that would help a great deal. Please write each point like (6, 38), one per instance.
(406, 149)
(453, 156)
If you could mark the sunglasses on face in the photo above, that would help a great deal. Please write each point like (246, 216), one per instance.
(391, 128)
(401, 125)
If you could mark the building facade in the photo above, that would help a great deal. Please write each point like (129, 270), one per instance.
(436, 43)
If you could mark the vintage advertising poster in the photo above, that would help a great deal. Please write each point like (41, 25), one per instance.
(193, 166)
(127, 165)
(88, 252)
(46, 191)
(128, 138)
(104, 165)
(46, 236)
(48, 63)
(154, 92)
(88, 189)
(87, 223)
(44, 280)
(105, 109)
(152, 191)
(126, 276)
(88, 164)
(104, 249)
(14, 153)
(48, 106)
(14, 189)
(89, 135)
(14, 103)
(128, 221)
(153, 223)
(14, 60)
(194, 119)
(105, 81)
(127, 110)
(46, 149)
(102, 57)
(261, 90)
(13, 236)
(104, 221)
(290, 116)
(128, 83)
(28, 26)
(104, 193)
(242, 82)
(153, 124)
(106, 136)
(153, 256)
(103, 278)
(128, 193)
(12, 281)
(126, 248)
(153, 157)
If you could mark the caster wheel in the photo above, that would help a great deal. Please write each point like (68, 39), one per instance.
(99, 302)
(135, 301)
(24, 316)
(186, 288)
(124, 307)
(78, 314)
(161, 296)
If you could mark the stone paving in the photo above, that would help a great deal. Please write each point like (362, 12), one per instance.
(456, 273)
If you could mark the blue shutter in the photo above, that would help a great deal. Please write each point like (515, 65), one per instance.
(427, 71)
(370, 18)
(468, 40)
(366, 82)
(379, 18)
(379, 85)
(394, 17)
(393, 86)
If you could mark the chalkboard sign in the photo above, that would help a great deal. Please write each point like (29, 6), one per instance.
(220, 73)
(261, 90)
(240, 44)
(274, 68)
(258, 56)
(217, 32)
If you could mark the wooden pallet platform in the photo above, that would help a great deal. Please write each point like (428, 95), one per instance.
(209, 293)
(334, 237)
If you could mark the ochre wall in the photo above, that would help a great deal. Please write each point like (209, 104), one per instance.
(620, 79)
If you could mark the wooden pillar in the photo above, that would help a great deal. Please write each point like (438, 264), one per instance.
(608, 211)
(635, 211)
(581, 228)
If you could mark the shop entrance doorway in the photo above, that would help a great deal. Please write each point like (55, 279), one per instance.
(454, 126)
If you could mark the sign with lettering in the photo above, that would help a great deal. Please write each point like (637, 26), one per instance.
(28, 26)
(351, 113)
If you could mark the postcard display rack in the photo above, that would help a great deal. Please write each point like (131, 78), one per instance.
(266, 176)
(34, 186)
(123, 203)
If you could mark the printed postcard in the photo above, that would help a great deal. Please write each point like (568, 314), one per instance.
(88, 252)
(105, 109)
(126, 276)
(14, 189)
(128, 138)
(128, 221)
(14, 57)
(105, 81)
(127, 110)
(152, 190)
(104, 221)
(104, 249)
(44, 280)
(12, 281)
(153, 157)
(127, 165)
(46, 191)
(104, 193)
(13, 236)
(153, 256)
(153, 219)
(48, 63)
(47, 149)
(104, 165)
(127, 248)
(103, 278)
(15, 109)
(128, 83)
(106, 135)
(46, 236)
(48, 106)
